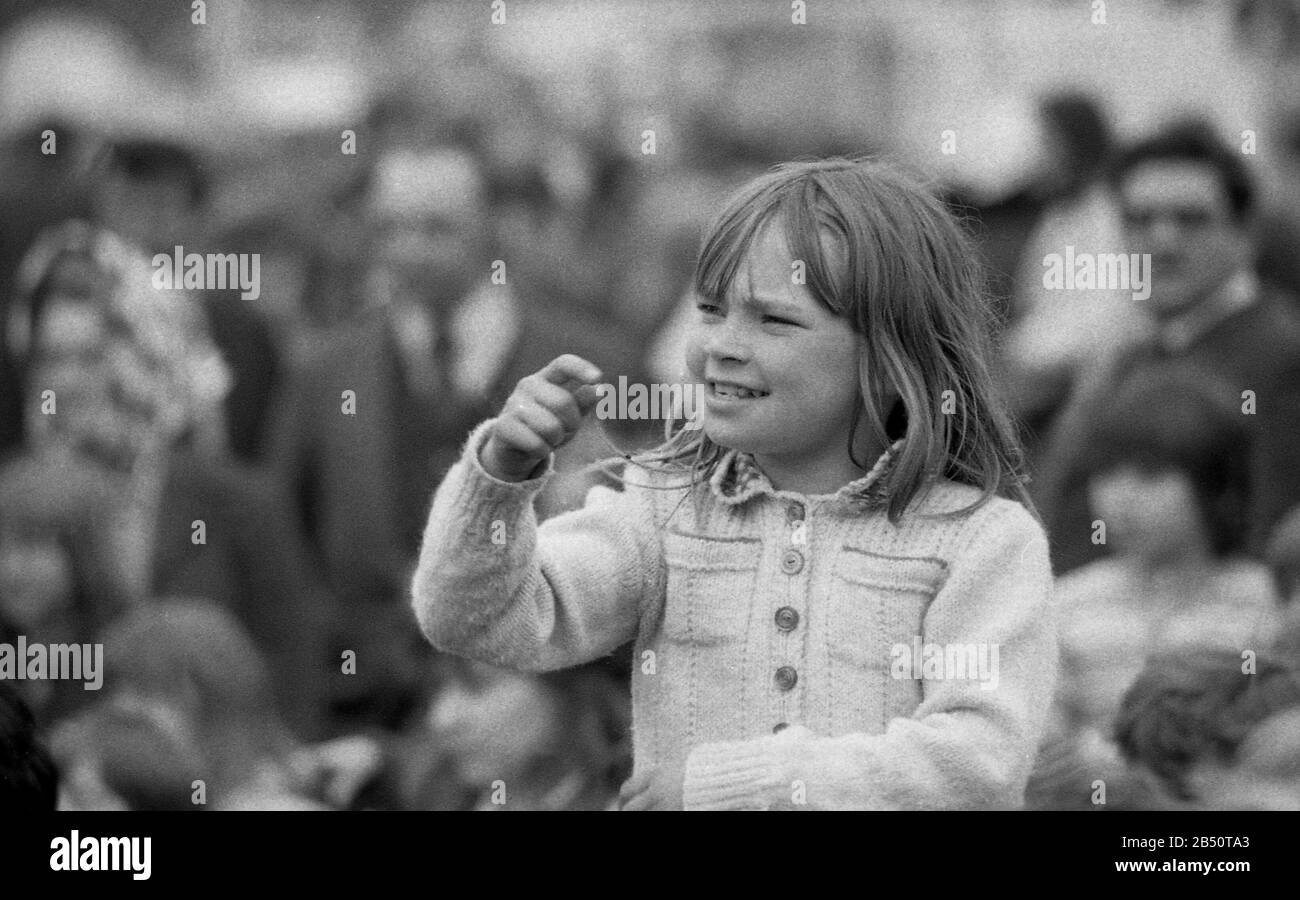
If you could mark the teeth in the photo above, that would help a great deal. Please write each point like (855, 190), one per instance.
(735, 391)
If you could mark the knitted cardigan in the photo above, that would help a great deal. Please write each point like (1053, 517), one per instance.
(790, 650)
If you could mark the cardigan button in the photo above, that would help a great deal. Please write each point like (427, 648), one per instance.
(794, 513)
(787, 619)
(792, 562)
(786, 678)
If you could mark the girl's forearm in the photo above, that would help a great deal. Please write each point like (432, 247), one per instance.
(475, 557)
(493, 585)
(958, 760)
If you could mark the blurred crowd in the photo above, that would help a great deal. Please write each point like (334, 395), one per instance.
(228, 491)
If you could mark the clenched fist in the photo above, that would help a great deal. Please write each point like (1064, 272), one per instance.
(542, 414)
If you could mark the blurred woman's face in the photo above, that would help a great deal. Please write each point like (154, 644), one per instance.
(429, 258)
(1151, 514)
(494, 723)
(35, 576)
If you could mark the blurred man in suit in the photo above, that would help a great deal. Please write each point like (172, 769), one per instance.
(371, 422)
(1187, 200)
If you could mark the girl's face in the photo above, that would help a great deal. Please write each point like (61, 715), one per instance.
(1154, 515)
(780, 370)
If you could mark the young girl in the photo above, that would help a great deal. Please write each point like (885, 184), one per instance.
(846, 614)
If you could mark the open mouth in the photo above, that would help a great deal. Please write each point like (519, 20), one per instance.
(726, 390)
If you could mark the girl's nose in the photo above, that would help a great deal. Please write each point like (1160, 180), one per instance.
(726, 341)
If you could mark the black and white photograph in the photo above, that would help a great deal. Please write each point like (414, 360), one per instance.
(650, 405)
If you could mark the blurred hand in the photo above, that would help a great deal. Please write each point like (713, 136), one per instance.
(542, 415)
(655, 789)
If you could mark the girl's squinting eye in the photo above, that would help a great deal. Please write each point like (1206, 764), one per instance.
(778, 320)
(709, 309)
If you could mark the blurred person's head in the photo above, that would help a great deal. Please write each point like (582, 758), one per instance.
(37, 578)
(429, 210)
(1166, 465)
(1283, 556)
(498, 724)
(188, 697)
(494, 722)
(149, 192)
(131, 368)
(1186, 199)
(28, 778)
(1214, 730)
(1078, 139)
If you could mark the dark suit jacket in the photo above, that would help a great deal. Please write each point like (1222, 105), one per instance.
(362, 485)
(363, 482)
(249, 349)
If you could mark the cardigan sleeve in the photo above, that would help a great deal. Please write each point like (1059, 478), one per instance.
(969, 744)
(493, 585)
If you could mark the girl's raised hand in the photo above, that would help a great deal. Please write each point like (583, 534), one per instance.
(542, 415)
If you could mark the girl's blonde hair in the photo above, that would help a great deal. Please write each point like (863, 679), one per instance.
(880, 249)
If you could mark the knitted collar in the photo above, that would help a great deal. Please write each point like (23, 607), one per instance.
(738, 479)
